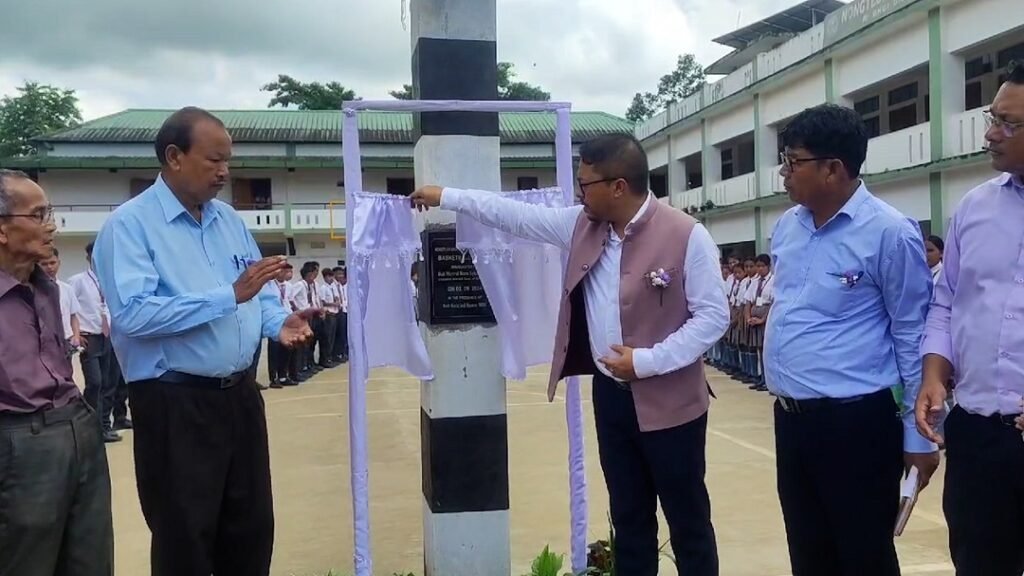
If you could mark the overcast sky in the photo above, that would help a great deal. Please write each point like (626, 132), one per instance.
(146, 54)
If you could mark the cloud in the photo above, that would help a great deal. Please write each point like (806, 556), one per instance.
(124, 53)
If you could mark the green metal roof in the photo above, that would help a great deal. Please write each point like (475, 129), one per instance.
(290, 126)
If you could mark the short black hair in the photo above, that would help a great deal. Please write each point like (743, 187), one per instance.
(749, 259)
(56, 253)
(830, 131)
(88, 248)
(618, 156)
(339, 270)
(764, 259)
(306, 269)
(937, 242)
(177, 130)
(1015, 72)
(327, 272)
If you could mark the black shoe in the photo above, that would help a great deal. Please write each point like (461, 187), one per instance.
(110, 436)
(762, 387)
(122, 424)
(291, 382)
(277, 384)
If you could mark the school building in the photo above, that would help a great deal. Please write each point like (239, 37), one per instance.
(286, 172)
(920, 73)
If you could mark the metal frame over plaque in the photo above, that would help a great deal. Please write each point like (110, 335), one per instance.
(451, 291)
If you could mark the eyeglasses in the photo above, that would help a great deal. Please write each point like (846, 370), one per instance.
(790, 161)
(1009, 129)
(583, 185)
(42, 216)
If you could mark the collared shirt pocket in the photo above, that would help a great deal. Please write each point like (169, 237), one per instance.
(840, 294)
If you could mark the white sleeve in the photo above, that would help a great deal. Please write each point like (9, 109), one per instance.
(709, 311)
(532, 222)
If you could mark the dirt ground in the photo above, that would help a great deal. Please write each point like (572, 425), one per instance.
(309, 454)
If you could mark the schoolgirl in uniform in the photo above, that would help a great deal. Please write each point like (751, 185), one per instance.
(732, 347)
(759, 301)
(746, 372)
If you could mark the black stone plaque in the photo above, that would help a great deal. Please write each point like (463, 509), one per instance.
(454, 294)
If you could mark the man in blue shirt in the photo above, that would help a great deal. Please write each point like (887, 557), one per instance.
(189, 302)
(851, 290)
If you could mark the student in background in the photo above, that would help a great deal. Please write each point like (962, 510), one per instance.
(341, 329)
(332, 306)
(759, 301)
(746, 352)
(307, 297)
(69, 307)
(933, 250)
(732, 348)
(279, 357)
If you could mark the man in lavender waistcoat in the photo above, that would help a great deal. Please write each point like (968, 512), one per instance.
(641, 303)
(975, 333)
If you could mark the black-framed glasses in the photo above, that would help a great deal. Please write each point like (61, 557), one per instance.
(790, 161)
(583, 185)
(1009, 129)
(42, 215)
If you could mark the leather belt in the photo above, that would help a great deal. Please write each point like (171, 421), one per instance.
(811, 404)
(193, 381)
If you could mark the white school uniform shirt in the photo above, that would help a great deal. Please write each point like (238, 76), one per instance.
(343, 288)
(555, 226)
(766, 297)
(328, 296)
(303, 297)
(92, 306)
(936, 272)
(69, 306)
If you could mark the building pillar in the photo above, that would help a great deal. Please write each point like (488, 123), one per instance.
(712, 159)
(463, 424)
(946, 80)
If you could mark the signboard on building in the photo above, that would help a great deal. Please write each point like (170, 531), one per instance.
(858, 15)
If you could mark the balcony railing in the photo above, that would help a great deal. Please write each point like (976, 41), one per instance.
(903, 149)
(734, 190)
(688, 198)
(969, 132)
(84, 219)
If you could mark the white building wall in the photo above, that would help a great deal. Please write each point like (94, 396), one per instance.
(957, 183)
(898, 50)
(687, 142)
(769, 216)
(89, 187)
(911, 197)
(735, 122)
(970, 22)
(657, 154)
(731, 228)
(793, 97)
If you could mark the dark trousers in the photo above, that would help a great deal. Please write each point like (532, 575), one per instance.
(641, 468)
(120, 395)
(55, 515)
(278, 361)
(203, 473)
(101, 374)
(341, 336)
(326, 338)
(839, 470)
(984, 496)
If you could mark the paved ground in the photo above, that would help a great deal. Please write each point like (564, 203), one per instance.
(309, 451)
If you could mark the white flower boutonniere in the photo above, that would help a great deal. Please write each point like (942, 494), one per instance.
(659, 279)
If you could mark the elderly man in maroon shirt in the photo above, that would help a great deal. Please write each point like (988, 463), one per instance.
(54, 483)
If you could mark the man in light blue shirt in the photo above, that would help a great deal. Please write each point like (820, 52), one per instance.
(851, 291)
(189, 301)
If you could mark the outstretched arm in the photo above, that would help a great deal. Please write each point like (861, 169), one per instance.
(538, 223)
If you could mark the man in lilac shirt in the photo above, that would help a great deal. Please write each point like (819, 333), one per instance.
(54, 483)
(975, 333)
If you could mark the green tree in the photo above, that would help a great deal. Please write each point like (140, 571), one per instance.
(685, 80)
(508, 87)
(307, 95)
(38, 109)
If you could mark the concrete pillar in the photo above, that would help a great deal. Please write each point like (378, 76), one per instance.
(676, 176)
(463, 425)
